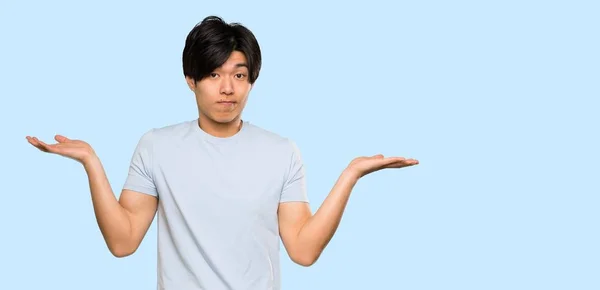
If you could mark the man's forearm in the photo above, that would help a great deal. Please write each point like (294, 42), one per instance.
(112, 218)
(320, 228)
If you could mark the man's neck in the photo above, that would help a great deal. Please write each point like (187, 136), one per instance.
(221, 130)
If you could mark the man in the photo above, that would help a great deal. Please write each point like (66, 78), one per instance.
(224, 189)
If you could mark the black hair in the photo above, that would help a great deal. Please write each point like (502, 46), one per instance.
(210, 43)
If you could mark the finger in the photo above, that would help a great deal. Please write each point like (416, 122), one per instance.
(42, 146)
(380, 162)
(404, 160)
(404, 163)
(35, 142)
(396, 159)
(30, 140)
(61, 138)
(392, 160)
(41, 143)
(47, 147)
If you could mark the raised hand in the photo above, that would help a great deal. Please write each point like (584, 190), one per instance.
(74, 149)
(362, 166)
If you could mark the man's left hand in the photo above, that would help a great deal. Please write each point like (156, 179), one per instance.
(362, 166)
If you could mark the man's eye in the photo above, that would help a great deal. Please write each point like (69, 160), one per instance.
(213, 75)
(239, 76)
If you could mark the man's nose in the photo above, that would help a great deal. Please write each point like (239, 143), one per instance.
(226, 87)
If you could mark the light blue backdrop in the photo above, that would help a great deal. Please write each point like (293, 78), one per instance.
(497, 99)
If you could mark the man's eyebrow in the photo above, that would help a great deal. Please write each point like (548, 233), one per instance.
(241, 65)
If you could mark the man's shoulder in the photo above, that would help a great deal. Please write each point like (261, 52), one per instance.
(266, 136)
(168, 131)
(276, 144)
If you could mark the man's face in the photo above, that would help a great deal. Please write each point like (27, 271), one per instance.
(222, 95)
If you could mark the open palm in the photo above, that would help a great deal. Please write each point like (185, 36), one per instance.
(365, 165)
(75, 149)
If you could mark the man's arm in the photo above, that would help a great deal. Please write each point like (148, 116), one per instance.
(305, 235)
(123, 223)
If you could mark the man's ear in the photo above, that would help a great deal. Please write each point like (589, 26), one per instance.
(191, 83)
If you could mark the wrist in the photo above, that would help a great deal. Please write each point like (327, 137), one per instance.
(90, 161)
(350, 175)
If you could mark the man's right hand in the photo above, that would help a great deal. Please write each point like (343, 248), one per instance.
(75, 149)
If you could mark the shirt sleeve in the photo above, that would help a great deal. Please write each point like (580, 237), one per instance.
(294, 188)
(140, 177)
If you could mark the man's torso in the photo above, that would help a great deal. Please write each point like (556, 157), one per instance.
(218, 200)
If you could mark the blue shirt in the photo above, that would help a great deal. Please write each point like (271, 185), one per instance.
(218, 198)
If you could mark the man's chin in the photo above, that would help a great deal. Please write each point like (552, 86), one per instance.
(229, 120)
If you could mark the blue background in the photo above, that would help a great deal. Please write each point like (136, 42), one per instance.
(496, 99)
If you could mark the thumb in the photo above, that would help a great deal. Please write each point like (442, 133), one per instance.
(61, 138)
